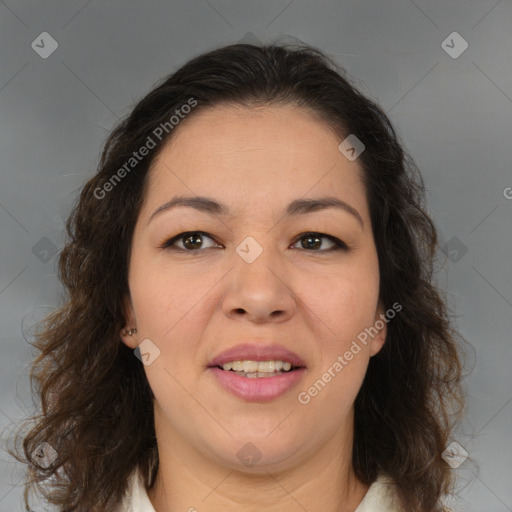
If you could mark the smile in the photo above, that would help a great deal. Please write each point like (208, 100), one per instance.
(256, 369)
(254, 385)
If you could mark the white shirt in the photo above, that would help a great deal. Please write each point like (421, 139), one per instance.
(380, 497)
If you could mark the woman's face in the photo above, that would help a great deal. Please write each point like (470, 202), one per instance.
(253, 280)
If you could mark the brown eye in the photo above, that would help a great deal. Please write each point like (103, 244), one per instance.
(313, 241)
(191, 241)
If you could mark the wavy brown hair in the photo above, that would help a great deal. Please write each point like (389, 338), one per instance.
(96, 404)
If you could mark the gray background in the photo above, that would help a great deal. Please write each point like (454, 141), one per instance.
(453, 114)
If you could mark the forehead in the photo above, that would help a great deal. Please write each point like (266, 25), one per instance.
(253, 154)
(282, 129)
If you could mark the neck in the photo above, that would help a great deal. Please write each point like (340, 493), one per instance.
(188, 481)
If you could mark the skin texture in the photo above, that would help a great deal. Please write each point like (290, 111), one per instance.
(193, 305)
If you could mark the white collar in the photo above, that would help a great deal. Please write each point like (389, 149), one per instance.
(381, 496)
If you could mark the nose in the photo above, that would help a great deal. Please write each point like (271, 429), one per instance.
(261, 291)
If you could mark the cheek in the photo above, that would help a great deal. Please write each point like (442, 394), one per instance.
(343, 358)
(165, 298)
(344, 303)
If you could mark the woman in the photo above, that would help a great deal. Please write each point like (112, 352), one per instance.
(251, 321)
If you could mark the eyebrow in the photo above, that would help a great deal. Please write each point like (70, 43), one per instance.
(296, 207)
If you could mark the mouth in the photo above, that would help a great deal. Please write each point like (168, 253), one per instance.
(257, 381)
(256, 372)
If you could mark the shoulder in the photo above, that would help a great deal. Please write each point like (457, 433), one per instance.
(382, 496)
(136, 498)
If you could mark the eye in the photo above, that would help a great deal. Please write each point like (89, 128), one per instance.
(192, 240)
(314, 241)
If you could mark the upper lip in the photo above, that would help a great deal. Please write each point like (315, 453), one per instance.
(251, 352)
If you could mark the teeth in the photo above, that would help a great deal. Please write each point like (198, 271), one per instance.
(249, 366)
(255, 375)
(252, 367)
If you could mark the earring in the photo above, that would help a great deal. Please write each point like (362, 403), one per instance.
(130, 332)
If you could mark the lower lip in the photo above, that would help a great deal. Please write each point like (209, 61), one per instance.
(259, 389)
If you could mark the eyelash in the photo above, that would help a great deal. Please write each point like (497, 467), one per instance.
(339, 245)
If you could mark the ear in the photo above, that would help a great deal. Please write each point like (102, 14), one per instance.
(130, 340)
(381, 324)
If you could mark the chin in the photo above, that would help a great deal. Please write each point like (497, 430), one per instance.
(259, 455)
